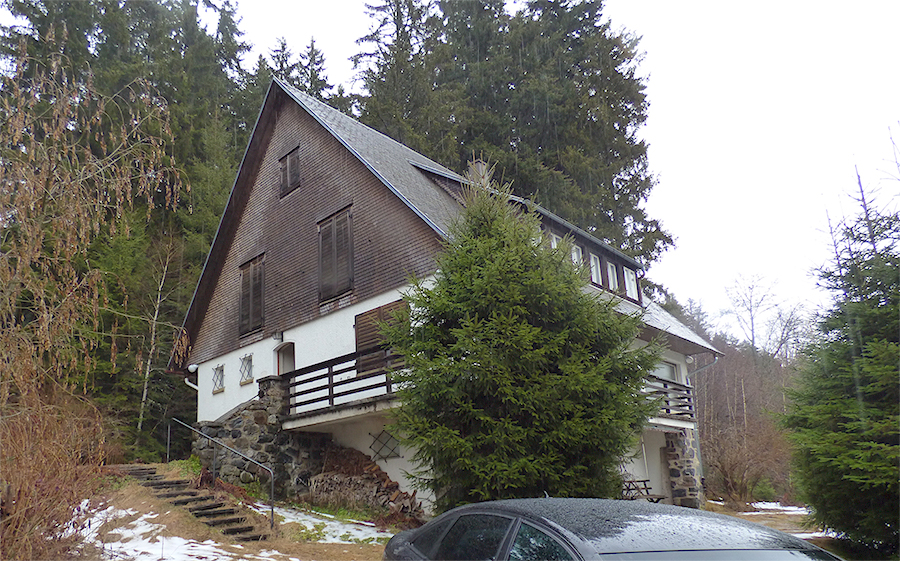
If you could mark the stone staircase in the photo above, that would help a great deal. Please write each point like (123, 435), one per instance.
(231, 520)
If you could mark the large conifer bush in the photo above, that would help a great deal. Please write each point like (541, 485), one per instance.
(519, 382)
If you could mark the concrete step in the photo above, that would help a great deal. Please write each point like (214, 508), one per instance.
(251, 537)
(167, 483)
(137, 471)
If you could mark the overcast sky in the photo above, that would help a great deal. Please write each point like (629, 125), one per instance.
(758, 114)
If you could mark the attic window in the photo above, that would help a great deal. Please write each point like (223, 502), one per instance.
(596, 270)
(631, 285)
(290, 171)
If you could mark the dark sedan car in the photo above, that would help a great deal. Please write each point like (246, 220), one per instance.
(576, 529)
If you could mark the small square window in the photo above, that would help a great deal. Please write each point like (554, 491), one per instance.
(385, 446)
(218, 379)
(246, 369)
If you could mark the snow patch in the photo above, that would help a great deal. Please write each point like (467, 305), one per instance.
(777, 507)
(141, 539)
(327, 526)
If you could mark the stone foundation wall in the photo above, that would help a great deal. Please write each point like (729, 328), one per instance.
(255, 430)
(682, 453)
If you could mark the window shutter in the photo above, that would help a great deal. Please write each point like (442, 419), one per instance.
(284, 176)
(326, 260)
(256, 297)
(342, 254)
(246, 282)
(335, 256)
(294, 168)
(368, 334)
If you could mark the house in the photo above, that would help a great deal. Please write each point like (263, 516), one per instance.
(326, 222)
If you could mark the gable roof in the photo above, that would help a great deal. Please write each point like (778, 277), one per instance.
(397, 166)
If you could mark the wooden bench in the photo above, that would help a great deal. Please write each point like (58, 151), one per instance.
(634, 489)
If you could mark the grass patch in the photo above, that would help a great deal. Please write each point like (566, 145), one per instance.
(339, 512)
(186, 468)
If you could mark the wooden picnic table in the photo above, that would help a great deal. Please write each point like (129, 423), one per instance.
(634, 489)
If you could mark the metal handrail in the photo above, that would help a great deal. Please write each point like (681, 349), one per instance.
(249, 459)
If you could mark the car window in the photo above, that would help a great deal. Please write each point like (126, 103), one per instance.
(427, 540)
(532, 544)
(474, 536)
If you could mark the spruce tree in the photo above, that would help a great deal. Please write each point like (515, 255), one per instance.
(551, 93)
(845, 416)
(518, 380)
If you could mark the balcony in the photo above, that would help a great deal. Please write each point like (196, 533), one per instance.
(676, 401)
(340, 383)
(363, 378)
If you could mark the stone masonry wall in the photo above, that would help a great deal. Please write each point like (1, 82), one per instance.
(255, 430)
(683, 459)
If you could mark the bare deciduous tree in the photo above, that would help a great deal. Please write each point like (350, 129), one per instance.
(71, 162)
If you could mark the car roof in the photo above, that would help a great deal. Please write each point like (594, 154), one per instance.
(617, 526)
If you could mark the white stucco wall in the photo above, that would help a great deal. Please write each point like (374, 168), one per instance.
(647, 461)
(329, 336)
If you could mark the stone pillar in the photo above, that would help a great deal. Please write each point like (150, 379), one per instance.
(684, 467)
(272, 392)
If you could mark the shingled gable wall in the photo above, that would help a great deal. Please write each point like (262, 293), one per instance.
(390, 243)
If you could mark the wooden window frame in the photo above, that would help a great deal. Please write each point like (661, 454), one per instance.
(577, 255)
(596, 272)
(637, 284)
(251, 316)
(289, 171)
(336, 255)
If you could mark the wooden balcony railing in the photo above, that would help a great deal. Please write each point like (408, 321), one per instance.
(356, 377)
(364, 377)
(676, 401)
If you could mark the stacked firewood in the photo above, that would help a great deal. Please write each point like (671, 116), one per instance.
(352, 479)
